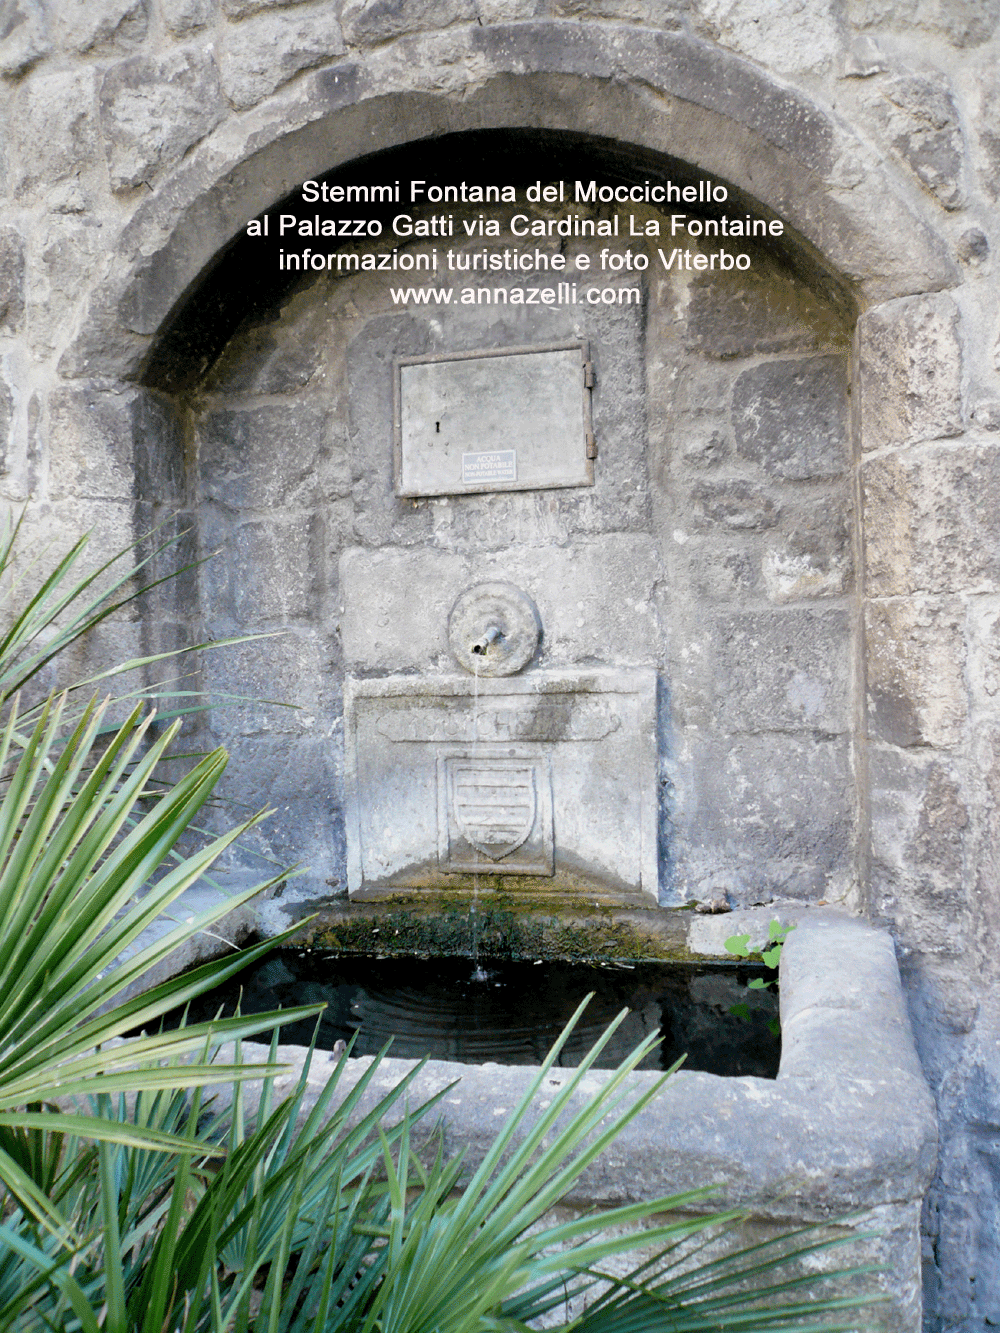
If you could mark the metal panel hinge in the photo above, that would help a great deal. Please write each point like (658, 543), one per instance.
(591, 445)
(588, 374)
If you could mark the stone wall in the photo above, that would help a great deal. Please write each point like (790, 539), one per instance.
(825, 617)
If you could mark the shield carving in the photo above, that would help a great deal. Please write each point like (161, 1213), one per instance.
(494, 805)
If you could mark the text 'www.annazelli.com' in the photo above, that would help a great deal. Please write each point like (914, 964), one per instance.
(563, 293)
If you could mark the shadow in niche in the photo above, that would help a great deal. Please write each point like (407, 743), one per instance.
(223, 301)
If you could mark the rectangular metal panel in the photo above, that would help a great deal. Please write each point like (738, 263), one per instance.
(510, 419)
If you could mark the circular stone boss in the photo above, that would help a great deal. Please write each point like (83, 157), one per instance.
(493, 629)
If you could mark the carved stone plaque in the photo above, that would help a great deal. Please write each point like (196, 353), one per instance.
(495, 813)
(549, 775)
(510, 419)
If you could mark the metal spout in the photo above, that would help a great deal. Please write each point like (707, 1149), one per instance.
(492, 634)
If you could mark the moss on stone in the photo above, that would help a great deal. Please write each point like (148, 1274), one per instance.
(507, 928)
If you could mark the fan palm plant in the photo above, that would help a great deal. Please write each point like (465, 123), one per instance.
(324, 1220)
(88, 860)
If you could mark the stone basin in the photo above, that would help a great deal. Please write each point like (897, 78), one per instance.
(846, 1133)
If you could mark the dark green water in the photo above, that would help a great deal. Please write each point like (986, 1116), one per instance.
(510, 1013)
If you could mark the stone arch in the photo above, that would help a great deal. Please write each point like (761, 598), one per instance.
(657, 96)
(656, 91)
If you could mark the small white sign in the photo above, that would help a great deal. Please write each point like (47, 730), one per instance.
(490, 466)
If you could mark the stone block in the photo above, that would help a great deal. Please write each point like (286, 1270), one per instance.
(916, 664)
(787, 670)
(153, 109)
(184, 16)
(275, 357)
(542, 782)
(24, 35)
(930, 520)
(11, 280)
(6, 424)
(53, 128)
(733, 503)
(963, 23)
(910, 371)
(766, 816)
(117, 445)
(261, 54)
(921, 121)
(372, 22)
(91, 444)
(64, 253)
(797, 38)
(298, 780)
(270, 572)
(920, 830)
(241, 9)
(812, 556)
(510, 11)
(984, 650)
(756, 312)
(266, 687)
(596, 602)
(100, 26)
(723, 571)
(241, 468)
(791, 418)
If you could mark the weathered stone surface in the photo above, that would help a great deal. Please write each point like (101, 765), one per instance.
(963, 23)
(6, 424)
(795, 39)
(864, 58)
(184, 16)
(759, 311)
(67, 250)
(511, 11)
(434, 765)
(911, 371)
(241, 9)
(734, 504)
(154, 109)
(923, 126)
(242, 469)
(988, 133)
(115, 445)
(783, 670)
(261, 54)
(276, 357)
(664, 14)
(53, 128)
(916, 663)
(771, 816)
(370, 22)
(813, 556)
(24, 36)
(396, 602)
(302, 783)
(272, 573)
(791, 418)
(11, 280)
(919, 843)
(275, 684)
(930, 520)
(101, 25)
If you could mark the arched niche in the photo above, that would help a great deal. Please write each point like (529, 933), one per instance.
(716, 548)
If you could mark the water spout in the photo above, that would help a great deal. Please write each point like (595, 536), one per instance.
(492, 634)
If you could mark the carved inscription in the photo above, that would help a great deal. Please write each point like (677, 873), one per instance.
(511, 718)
